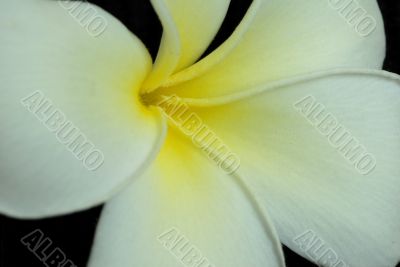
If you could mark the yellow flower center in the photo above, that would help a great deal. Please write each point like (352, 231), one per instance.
(186, 121)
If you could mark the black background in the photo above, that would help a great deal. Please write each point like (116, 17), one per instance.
(74, 233)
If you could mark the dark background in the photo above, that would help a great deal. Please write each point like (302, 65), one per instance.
(74, 233)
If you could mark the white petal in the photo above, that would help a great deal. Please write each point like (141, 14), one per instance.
(189, 27)
(289, 38)
(190, 199)
(52, 65)
(301, 170)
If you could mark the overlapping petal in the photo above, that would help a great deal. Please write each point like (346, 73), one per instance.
(188, 29)
(71, 127)
(323, 157)
(184, 210)
(289, 38)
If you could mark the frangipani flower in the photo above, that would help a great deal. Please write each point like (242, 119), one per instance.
(154, 178)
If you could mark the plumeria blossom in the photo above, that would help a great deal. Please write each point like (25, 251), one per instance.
(154, 178)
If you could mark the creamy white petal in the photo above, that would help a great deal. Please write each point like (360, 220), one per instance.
(184, 210)
(189, 27)
(327, 167)
(289, 38)
(72, 129)
(219, 54)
